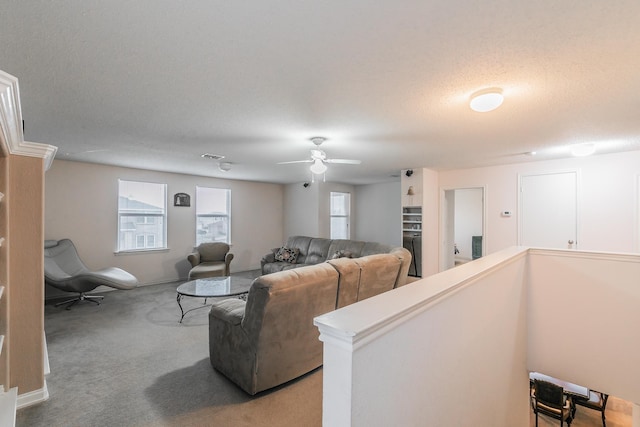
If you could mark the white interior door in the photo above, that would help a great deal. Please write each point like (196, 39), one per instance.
(548, 210)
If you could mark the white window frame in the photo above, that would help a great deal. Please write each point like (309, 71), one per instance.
(146, 219)
(347, 209)
(200, 190)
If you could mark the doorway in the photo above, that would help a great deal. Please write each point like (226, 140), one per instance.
(463, 226)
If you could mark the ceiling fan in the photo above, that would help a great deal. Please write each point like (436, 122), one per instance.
(319, 158)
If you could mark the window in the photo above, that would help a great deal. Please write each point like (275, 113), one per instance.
(213, 215)
(340, 212)
(142, 215)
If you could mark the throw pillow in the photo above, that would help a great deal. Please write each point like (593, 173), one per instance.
(289, 255)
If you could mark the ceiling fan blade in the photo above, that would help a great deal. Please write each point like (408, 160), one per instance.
(344, 161)
(295, 161)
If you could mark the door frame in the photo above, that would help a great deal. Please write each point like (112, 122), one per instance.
(577, 207)
(636, 223)
(442, 256)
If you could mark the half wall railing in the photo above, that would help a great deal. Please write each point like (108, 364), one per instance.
(456, 348)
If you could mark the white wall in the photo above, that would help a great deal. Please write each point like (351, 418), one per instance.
(415, 356)
(582, 319)
(378, 213)
(569, 314)
(306, 209)
(607, 198)
(430, 223)
(81, 203)
(301, 212)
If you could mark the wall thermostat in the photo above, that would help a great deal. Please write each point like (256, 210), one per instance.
(505, 213)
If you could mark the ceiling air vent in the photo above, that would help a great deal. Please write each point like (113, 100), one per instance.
(212, 156)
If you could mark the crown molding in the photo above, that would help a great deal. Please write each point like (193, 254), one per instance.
(11, 136)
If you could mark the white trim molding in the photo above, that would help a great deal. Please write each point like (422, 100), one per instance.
(11, 135)
(33, 397)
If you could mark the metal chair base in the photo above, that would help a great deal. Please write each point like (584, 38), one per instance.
(81, 297)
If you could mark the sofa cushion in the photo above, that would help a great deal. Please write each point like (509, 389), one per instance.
(348, 280)
(318, 251)
(230, 310)
(207, 269)
(274, 267)
(289, 255)
(405, 259)
(213, 251)
(378, 274)
(302, 244)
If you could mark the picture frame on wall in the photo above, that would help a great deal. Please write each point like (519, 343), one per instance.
(181, 199)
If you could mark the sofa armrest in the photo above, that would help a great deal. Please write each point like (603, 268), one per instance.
(270, 257)
(227, 258)
(194, 258)
(231, 351)
(230, 311)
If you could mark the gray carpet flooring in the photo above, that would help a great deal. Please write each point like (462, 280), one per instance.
(129, 362)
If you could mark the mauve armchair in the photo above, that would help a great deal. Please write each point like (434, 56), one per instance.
(210, 260)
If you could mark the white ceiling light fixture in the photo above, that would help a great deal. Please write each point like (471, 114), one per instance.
(319, 159)
(583, 150)
(318, 167)
(486, 100)
(224, 166)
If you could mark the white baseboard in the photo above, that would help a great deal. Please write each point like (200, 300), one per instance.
(8, 407)
(45, 353)
(33, 397)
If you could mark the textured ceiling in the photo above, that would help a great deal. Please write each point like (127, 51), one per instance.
(155, 83)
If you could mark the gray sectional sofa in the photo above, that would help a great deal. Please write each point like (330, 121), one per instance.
(314, 250)
(270, 339)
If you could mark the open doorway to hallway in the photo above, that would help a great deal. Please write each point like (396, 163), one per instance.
(463, 226)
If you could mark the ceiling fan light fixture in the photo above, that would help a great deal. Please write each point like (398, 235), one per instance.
(318, 140)
(318, 167)
(486, 100)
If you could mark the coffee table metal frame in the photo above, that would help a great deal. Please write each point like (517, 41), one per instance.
(211, 287)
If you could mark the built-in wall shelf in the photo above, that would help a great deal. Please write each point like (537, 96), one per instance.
(412, 220)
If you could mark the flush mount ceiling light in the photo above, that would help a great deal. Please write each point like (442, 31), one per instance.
(486, 100)
(583, 150)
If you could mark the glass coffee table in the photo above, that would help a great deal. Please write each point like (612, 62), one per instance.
(212, 287)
